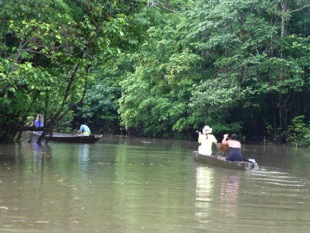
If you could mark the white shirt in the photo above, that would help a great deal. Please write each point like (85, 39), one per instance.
(206, 141)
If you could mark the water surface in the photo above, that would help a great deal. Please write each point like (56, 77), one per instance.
(140, 185)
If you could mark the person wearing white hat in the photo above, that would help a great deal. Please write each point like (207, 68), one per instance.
(206, 138)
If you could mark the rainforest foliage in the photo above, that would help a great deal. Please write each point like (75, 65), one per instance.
(157, 68)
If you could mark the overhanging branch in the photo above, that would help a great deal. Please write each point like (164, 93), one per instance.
(303, 7)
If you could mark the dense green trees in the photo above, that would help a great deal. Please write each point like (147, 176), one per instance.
(155, 68)
(48, 49)
(236, 65)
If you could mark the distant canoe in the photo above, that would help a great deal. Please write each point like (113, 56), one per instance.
(220, 161)
(71, 138)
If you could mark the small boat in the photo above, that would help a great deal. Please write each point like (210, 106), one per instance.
(71, 138)
(218, 160)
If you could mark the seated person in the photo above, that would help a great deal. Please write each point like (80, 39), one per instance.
(84, 130)
(206, 138)
(39, 122)
(234, 147)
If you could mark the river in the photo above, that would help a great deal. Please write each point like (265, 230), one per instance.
(129, 185)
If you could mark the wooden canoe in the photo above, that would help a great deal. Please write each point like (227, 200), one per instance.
(217, 160)
(71, 138)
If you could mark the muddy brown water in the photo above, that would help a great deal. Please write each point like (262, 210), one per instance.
(125, 185)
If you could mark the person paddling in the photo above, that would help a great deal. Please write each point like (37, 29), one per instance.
(206, 138)
(234, 147)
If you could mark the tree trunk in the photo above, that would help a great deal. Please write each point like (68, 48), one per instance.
(282, 101)
(282, 112)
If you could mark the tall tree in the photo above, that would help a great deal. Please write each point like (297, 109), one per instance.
(246, 43)
(48, 50)
(227, 58)
(155, 96)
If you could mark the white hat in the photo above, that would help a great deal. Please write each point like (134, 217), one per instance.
(207, 129)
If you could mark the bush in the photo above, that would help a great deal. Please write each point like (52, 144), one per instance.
(299, 132)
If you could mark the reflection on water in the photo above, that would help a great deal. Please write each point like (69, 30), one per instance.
(204, 189)
(83, 155)
(40, 151)
(142, 185)
(83, 152)
(229, 194)
(227, 200)
(216, 194)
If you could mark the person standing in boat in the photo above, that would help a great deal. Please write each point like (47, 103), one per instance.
(206, 138)
(234, 147)
(84, 130)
